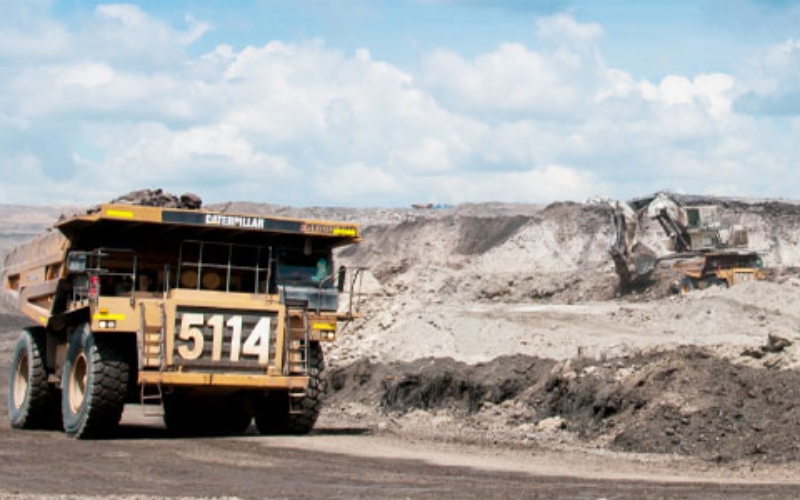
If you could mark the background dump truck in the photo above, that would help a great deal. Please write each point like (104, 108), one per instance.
(217, 318)
(723, 269)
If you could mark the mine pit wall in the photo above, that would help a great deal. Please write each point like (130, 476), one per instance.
(520, 252)
(559, 252)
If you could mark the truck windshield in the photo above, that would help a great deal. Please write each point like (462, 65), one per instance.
(223, 267)
(314, 270)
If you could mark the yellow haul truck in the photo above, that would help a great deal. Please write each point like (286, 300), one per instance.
(723, 269)
(216, 318)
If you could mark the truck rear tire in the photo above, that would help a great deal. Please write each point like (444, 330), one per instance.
(278, 413)
(32, 401)
(94, 385)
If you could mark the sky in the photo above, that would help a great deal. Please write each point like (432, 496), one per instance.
(386, 103)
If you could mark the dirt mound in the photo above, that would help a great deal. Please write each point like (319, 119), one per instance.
(437, 383)
(558, 253)
(480, 234)
(685, 401)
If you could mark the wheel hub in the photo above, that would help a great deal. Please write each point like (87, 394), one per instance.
(20, 384)
(78, 378)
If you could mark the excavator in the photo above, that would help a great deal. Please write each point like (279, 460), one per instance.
(706, 251)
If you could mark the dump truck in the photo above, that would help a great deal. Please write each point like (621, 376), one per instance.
(723, 269)
(207, 318)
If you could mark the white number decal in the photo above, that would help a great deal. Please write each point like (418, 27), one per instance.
(191, 331)
(235, 324)
(257, 343)
(215, 322)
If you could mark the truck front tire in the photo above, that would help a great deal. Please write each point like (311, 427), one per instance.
(94, 385)
(32, 401)
(283, 413)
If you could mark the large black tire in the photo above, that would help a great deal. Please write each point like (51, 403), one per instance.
(32, 400)
(204, 416)
(94, 384)
(280, 413)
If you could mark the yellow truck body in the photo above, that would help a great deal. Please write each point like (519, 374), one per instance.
(723, 269)
(213, 317)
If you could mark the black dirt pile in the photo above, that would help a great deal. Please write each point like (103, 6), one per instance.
(436, 383)
(684, 402)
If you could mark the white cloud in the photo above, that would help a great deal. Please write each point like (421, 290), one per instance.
(27, 33)
(125, 107)
(358, 181)
(772, 81)
(126, 34)
(81, 88)
(559, 79)
(89, 76)
(432, 155)
(512, 80)
(541, 185)
(710, 92)
(565, 28)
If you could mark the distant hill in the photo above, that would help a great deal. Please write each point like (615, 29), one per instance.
(20, 223)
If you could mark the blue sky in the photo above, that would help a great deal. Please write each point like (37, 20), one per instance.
(388, 103)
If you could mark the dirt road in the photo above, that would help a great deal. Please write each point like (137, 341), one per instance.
(332, 463)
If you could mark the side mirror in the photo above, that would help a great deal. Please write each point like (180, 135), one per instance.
(76, 262)
(340, 278)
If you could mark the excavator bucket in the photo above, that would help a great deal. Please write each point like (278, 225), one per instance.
(635, 266)
(644, 260)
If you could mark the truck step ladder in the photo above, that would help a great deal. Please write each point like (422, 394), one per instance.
(297, 338)
(296, 349)
(152, 400)
(151, 353)
(296, 399)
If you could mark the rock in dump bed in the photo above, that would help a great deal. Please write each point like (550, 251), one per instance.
(156, 198)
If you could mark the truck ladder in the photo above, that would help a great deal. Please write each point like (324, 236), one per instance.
(297, 339)
(152, 349)
(296, 398)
